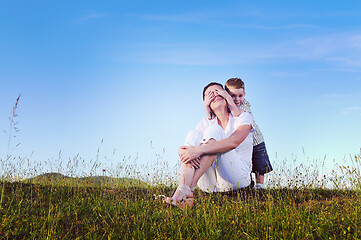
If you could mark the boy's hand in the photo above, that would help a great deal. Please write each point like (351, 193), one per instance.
(231, 105)
(223, 93)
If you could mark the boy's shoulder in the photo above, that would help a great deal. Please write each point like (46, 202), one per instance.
(246, 102)
(245, 106)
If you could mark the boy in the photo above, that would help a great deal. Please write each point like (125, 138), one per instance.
(260, 160)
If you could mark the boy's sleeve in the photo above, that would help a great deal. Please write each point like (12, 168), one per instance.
(245, 106)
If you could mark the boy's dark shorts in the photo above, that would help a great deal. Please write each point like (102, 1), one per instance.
(260, 160)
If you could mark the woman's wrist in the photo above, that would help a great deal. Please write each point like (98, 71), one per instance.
(202, 149)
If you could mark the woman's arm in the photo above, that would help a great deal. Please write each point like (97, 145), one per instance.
(206, 103)
(189, 153)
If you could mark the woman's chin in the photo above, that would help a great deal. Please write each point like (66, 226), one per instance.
(218, 104)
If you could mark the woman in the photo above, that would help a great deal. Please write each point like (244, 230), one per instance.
(223, 160)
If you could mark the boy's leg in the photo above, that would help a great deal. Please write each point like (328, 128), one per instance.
(260, 178)
(261, 163)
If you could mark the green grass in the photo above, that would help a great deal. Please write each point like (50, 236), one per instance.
(82, 211)
(299, 203)
(97, 181)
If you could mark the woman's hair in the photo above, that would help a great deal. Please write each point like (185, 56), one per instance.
(234, 83)
(209, 85)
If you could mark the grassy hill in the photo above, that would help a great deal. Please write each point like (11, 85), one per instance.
(55, 206)
(95, 181)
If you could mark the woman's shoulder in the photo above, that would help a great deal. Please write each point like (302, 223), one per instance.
(207, 121)
(204, 123)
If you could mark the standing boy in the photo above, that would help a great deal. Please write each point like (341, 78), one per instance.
(260, 160)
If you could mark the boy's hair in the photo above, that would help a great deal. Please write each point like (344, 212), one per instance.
(209, 85)
(234, 83)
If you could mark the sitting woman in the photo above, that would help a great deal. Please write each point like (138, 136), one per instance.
(222, 162)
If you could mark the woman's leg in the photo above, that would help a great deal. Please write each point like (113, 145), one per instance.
(205, 163)
(190, 176)
(206, 176)
(232, 173)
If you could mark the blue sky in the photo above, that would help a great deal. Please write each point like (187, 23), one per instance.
(131, 73)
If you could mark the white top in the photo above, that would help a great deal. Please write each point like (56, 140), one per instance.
(232, 169)
(244, 150)
(245, 106)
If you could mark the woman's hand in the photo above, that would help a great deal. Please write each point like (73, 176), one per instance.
(189, 153)
(208, 98)
(195, 163)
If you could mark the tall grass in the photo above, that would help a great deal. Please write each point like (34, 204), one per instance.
(54, 206)
(116, 201)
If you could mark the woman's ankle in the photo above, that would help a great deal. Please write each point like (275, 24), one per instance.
(183, 191)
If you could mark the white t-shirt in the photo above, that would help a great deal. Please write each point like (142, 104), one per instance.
(232, 169)
(195, 136)
(245, 149)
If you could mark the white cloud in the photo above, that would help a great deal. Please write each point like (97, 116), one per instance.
(350, 110)
(340, 55)
(91, 17)
(341, 51)
(332, 95)
(340, 48)
(336, 69)
(221, 19)
(191, 17)
(272, 27)
(199, 16)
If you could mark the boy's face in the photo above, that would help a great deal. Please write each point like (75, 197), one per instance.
(237, 95)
